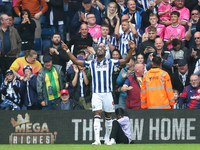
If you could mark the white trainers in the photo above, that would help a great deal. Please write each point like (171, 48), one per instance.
(110, 142)
(107, 142)
(96, 143)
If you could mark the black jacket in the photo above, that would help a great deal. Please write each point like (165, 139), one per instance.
(60, 59)
(192, 61)
(58, 10)
(27, 31)
(80, 43)
(86, 89)
(176, 81)
(73, 104)
(144, 45)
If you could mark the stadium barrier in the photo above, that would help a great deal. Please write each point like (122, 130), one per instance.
(76, 127)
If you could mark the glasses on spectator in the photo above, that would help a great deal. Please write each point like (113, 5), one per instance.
(90, 17)
(197, 38)
(194, 14)
(194, 80)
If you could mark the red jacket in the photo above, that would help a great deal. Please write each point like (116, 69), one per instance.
(133, 96)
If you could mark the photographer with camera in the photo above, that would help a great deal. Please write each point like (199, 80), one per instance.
(10, 92)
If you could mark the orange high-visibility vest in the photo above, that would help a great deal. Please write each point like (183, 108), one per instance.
(156, 90)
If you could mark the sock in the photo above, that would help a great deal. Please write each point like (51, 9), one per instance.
(97, 127)
(108, 127)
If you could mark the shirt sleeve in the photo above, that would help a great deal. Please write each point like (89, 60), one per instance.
(116, 61)
(186, 15)
(166, 37)
(127, 83)
(87, 63)
(14, 66)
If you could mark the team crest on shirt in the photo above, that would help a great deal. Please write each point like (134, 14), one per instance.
(158, 29)
(96, 29)
(178, 30)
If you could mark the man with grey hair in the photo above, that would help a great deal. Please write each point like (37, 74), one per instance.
(10, 43)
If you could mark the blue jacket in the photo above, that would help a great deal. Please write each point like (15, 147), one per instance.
(139, 12)
(75, 24)
(120, 81)
(28, 91)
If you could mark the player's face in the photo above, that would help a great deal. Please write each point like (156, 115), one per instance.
(140, 59)
(174, 18)
(152, 35)
(104, 31)
(101, 52)
(153, 20)
(177, 47)
(131, 5)
(125, 26)
(130, 63)
(32, 59)
(145, 37)
(141, 70)
(91, 19)
(179, 3)
(194, 81)
(115, 55)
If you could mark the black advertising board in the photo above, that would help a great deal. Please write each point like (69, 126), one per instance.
(76, 127)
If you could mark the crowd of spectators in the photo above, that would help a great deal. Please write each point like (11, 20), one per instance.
(169, 29)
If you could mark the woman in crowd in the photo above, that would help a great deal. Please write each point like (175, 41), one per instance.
(140, 60)
(29, 59)
(109, 18)
(26, 30)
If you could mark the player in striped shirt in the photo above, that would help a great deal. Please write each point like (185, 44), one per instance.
(102, 100)
(105, 38)
(126, 35)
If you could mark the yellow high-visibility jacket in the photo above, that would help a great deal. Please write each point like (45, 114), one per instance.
(156, 90)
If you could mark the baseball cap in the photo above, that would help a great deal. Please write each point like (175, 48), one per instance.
(64, 91)
(27, 67)
(81, 51)
(80, 58)
(8, 71)
(47, 58)
(86, 1)
(182, 62)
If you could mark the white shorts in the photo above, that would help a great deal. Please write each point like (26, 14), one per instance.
(103, 101)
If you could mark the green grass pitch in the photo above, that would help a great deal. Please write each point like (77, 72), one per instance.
(103, 147)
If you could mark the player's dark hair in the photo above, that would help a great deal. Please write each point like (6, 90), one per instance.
(175, 13)
(119, 111)
(156, 60)
(176, 42)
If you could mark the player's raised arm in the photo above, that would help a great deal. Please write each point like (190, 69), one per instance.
(131, 48)
(71, 56)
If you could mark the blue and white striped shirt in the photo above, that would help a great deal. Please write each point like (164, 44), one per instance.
(101, 73)
(112, 41)
(10, 91)
(123, 42)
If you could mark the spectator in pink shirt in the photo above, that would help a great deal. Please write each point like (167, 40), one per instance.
(94, 29)
(153, 19)
(174, 31)
(184, 13)
(164, 10)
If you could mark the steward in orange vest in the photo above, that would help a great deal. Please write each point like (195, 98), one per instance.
(156, 89)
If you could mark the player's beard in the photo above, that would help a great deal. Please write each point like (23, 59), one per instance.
(100, 56)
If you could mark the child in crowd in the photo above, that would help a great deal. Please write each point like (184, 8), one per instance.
(164, 10)
(176, 97)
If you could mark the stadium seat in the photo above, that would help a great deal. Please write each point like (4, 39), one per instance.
(47, 32)
(38, 44)
(43, 21)
(22, 53)
(46, 36)
(17, 20)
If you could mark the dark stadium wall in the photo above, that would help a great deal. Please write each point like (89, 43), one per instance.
(76, 127)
